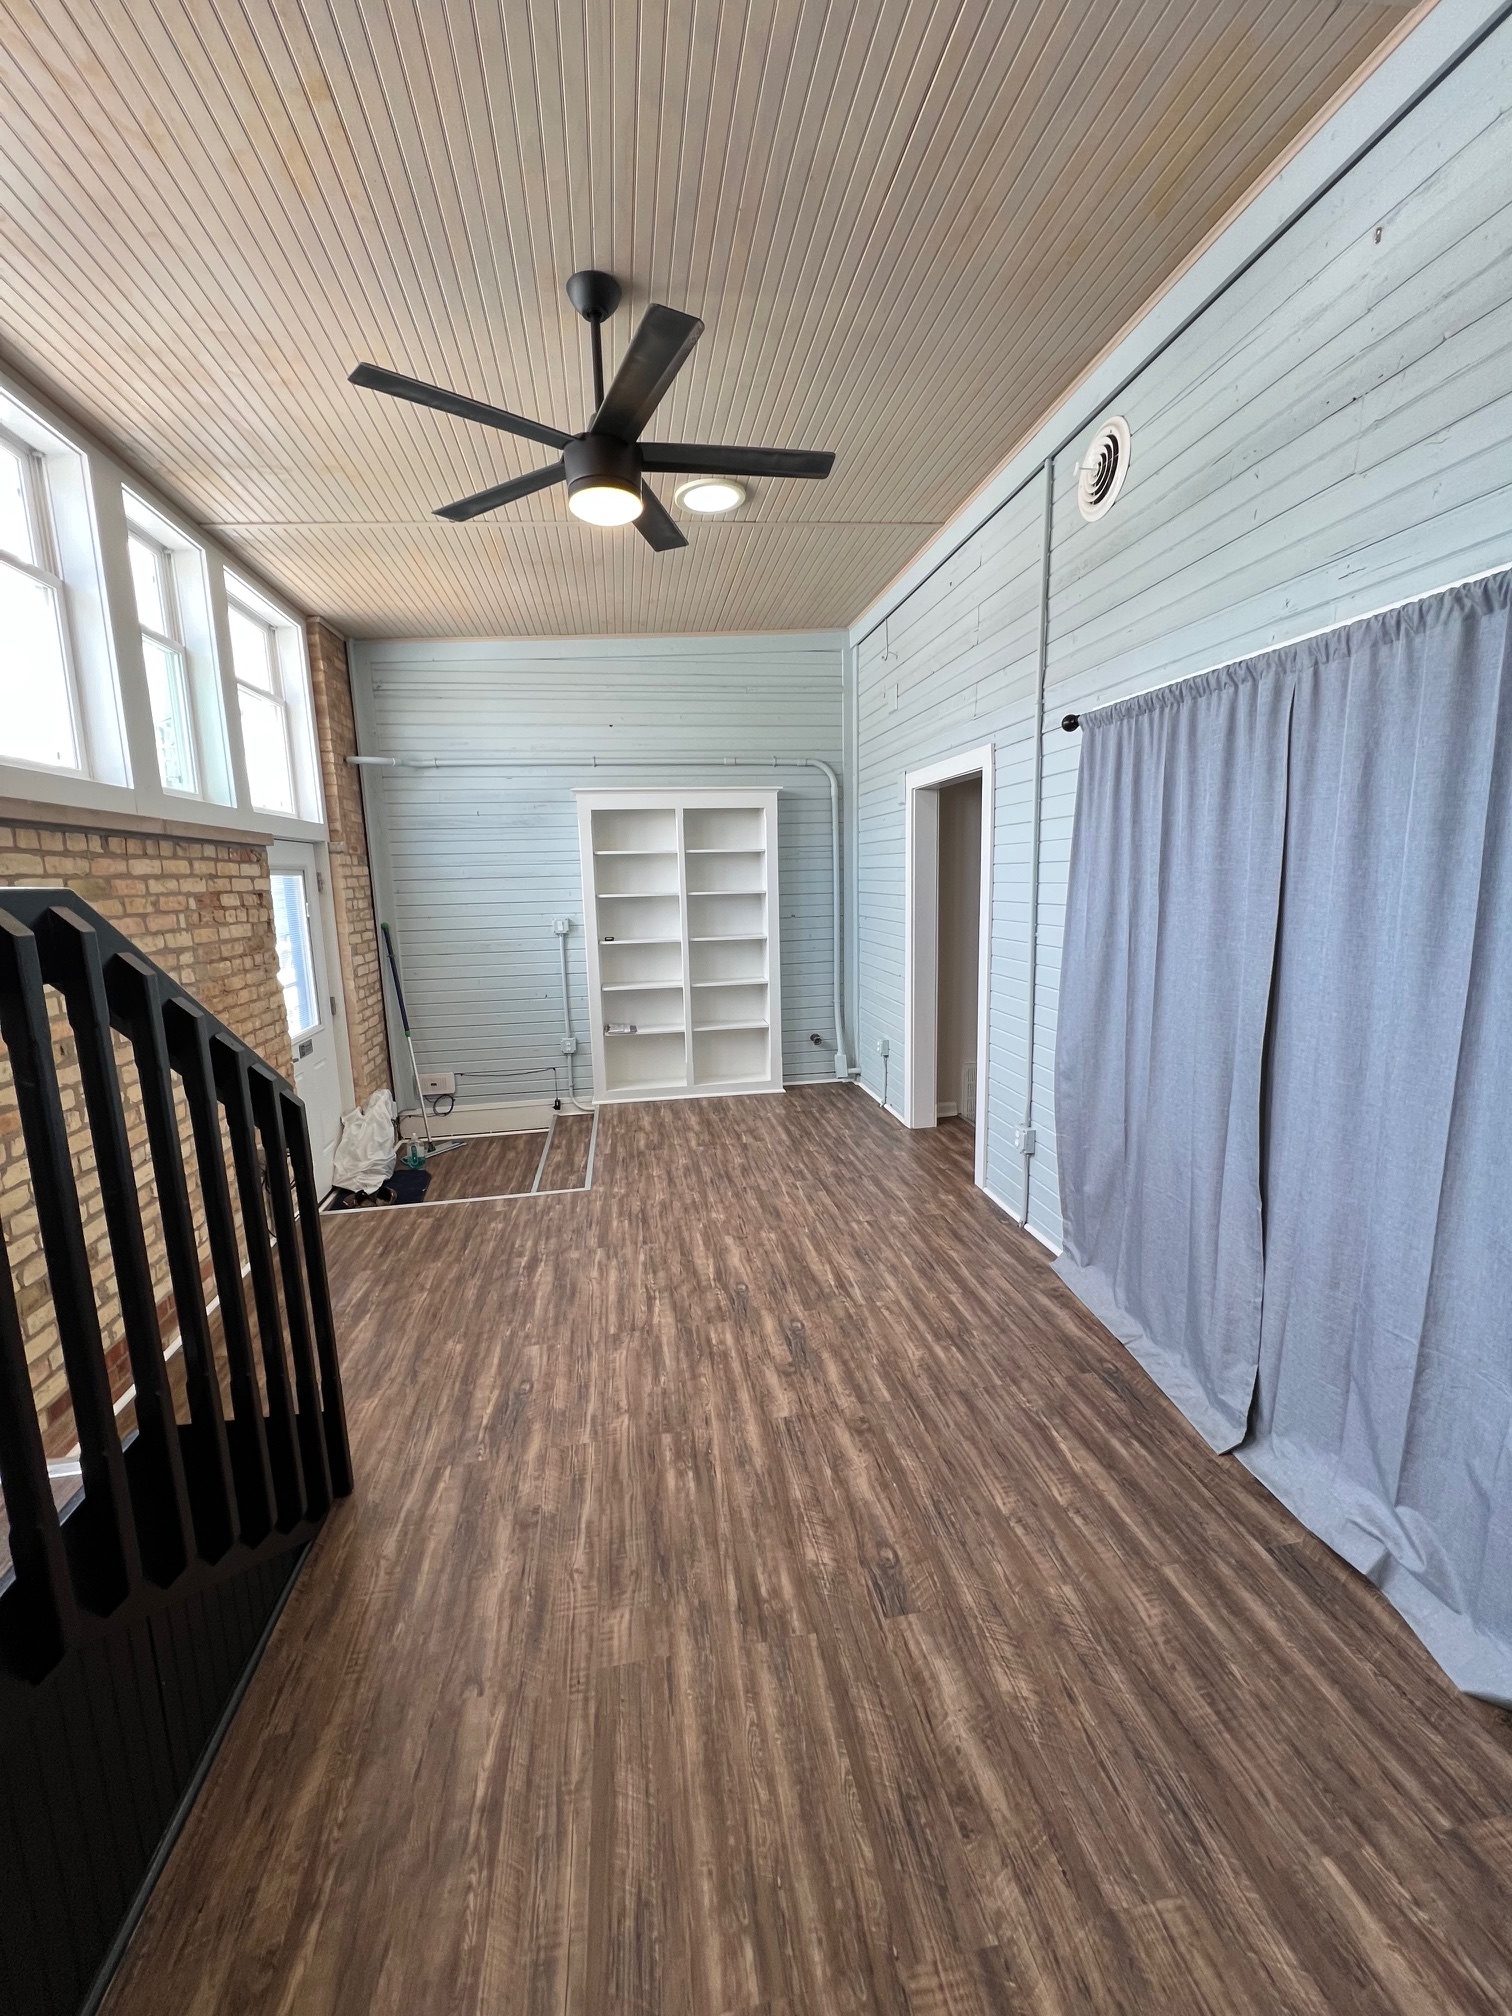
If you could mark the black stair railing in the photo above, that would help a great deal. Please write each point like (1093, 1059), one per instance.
(184, 1529)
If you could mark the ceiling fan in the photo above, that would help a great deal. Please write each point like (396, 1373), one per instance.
(605, 466)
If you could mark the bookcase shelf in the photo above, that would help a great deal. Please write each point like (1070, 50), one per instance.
(680, 897)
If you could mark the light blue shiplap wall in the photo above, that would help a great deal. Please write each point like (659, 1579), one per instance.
(1333, 435)
(473, 864)
(954, 668)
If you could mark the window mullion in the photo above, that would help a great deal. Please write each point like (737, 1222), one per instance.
(44, 575)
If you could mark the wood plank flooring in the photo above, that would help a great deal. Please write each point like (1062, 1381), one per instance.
(567, 1164)
(767, 1590)
(495, 1167)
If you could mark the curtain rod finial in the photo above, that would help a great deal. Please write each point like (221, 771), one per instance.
(1071, 722)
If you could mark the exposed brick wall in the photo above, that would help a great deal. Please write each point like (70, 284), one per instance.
(351, 880)
(201, 908)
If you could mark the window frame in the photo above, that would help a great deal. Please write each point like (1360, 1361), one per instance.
(244, 602)
(37, 503)
(173, 642)
(73, 522)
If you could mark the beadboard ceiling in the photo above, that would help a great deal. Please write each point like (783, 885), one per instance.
(908, 225)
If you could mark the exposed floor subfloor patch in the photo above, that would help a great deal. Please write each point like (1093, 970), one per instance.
(495, 1167)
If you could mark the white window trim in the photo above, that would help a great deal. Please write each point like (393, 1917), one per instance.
(172, 641)
(38, 507)
(93, 503)
(274, 691)
(289, 669)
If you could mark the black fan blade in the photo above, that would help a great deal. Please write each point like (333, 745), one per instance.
(658, 350)
(503, 493)
(373, 378)
(656, 524)
(696, 458)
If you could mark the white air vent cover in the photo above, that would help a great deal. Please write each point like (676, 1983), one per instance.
(1103, 469)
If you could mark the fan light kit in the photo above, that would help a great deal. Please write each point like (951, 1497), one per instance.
(605, 504)
(605, 467)
(603, 481)
(708, 494)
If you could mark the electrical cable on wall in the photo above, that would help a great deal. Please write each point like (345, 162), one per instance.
(562, 927)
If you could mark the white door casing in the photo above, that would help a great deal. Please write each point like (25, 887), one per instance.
(307, 976)
(921, 937)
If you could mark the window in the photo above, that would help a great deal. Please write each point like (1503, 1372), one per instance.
(38, 706)
(264, 705)
(296, 965)
(164, 656)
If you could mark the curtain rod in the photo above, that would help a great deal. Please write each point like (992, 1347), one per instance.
(1071, 722)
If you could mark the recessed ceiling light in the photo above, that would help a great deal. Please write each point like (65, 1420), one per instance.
(708, 494)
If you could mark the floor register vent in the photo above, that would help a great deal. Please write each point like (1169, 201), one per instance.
(1103, 469)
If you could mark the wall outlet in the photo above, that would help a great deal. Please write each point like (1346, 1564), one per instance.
(561, 926)
(884, 1048)
(569, 1046)
(438, 1084)
(1023, 1140)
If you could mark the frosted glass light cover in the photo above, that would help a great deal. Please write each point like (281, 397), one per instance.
(605, 504)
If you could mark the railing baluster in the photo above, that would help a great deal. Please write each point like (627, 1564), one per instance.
(50, 1620)
(338, 1449)
(102, 1538)
(188, 1033)
(133, 990)
(71, 954)
(231, 1078)
(266, 1105)
(166, 1513)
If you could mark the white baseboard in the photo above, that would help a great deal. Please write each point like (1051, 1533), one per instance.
(1012, 1211)
(877, 1096)
(1008, 1210)
(946, 1109)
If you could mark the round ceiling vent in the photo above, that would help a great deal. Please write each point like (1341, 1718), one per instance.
(1103, 469)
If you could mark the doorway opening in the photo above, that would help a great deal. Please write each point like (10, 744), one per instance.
(948, 943)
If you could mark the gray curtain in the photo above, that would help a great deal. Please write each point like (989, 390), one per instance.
(1380, 1359)
(1170, 935)
(1384, 1415)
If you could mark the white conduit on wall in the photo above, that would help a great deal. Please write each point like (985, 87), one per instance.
(842, 1057)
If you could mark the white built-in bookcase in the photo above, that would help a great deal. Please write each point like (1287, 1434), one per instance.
(680, 916)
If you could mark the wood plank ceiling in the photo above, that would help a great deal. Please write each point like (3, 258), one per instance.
(908, 224)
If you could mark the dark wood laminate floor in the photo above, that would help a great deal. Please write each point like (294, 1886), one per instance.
(567, 1164)
(496, 1167)
(769, 1591)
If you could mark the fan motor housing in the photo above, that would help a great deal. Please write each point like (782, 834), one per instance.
(595, 459)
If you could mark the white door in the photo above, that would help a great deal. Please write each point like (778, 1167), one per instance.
(304, 975)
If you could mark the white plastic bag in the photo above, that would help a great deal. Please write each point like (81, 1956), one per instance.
(365, 1152)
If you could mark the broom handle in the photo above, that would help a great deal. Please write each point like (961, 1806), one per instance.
(388, 946)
